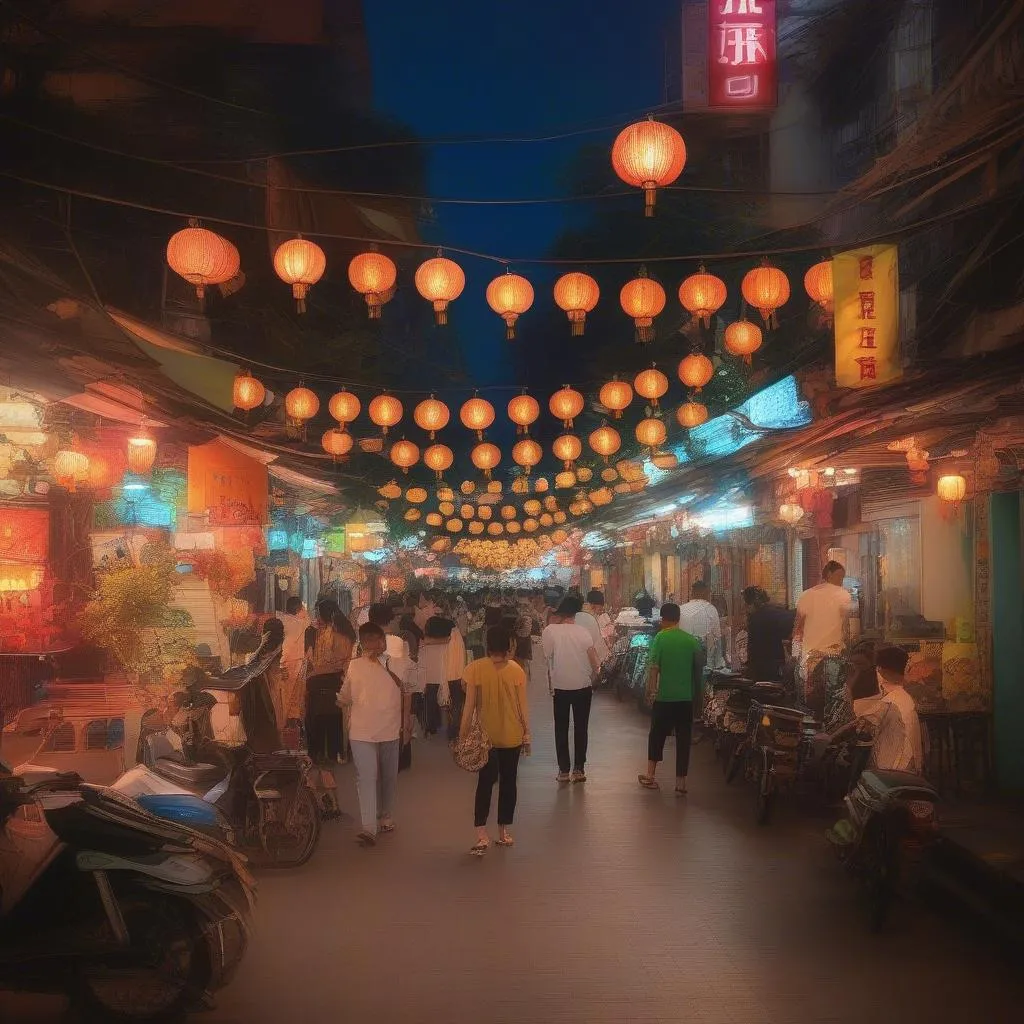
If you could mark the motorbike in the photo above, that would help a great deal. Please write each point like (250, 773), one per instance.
(135, 919)
(225, 752)
(889, 826)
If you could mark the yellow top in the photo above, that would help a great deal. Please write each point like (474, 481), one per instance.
(500, 691)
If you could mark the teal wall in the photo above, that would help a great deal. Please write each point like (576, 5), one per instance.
(1007, 640)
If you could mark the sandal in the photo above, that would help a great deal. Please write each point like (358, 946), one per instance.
(681, 792)
(648, 782)
(479, 848)
(366, 838)
(387, 825)
(505, 839)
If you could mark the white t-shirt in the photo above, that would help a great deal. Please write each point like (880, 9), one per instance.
(700, 618)
(376, 702)
(824, 608)
(897, 745)
(565, 651)
(590, 624)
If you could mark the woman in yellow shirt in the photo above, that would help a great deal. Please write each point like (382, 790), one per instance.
(496, 690)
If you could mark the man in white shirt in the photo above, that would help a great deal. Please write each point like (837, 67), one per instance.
(821, 629)
(897, 745)
(699, 617)
(572, 667)
(574, 603)
(595, 607)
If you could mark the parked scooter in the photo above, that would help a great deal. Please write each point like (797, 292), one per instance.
(133, 918)
(889, 825)
(264, 794)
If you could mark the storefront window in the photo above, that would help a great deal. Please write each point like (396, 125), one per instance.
(898, 581)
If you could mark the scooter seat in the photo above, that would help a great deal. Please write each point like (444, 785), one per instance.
(191, 776)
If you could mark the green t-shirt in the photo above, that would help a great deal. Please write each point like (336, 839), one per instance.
(673, 651)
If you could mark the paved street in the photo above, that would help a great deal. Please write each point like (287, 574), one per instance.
(617, 904)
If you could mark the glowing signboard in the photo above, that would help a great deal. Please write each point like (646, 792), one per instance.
(742, 59)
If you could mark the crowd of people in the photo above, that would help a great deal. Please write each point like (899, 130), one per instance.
(458, 666)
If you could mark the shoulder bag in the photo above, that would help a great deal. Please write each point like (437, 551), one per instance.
(405, 750)
(472, 750)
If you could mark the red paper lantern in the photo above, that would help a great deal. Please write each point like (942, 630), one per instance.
(742, 338)
(202, 257)
(477, 414)
(695, 370)
(616, 396)
(373, 275)
(522, 411)
(566, 405)
(440, 281)
(344, 407)
(405, 454)
(385, 411)
(577, 294)
(431, 415)
(510, 295)
(766, 288)
(651, 384)
(642, 299)
(702, 295)
(300, 263)
(247, 392)
(649, 155)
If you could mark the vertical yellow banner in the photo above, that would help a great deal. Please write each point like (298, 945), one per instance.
(867, 313)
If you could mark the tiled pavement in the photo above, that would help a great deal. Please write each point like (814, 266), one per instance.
(616, 905)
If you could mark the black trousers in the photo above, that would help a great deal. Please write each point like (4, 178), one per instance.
(457, 701)
(578, 702)
(668, 716)
(323, 737)
(502, 767)
(431, 709)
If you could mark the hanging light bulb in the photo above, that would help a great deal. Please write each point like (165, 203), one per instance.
(344, 407)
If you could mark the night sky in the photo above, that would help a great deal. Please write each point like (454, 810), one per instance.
(465, 67)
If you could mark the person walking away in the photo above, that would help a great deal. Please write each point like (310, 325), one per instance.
(496, 690)
(700, 618)
(378, 726)
(644, 603)
(329, 643)
(675, 663)
(768, 629)
(295, 620)
(432, 672)
(590, 624)
(572, 668)
(595, 607)
(525, 624)
(821, 630)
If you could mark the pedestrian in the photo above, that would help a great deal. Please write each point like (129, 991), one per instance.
(644, 603)
(496, 691)
(572, 668)
(595, 606)
(590, 624)
(295, 620)
(820, 633)
(378, 726)
(329, 644)
(456, 689)
(700, 618)
(675, 663)
(769, 627)
(432, 672)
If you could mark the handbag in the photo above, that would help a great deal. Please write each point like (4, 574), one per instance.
(405, 750)
(473, 750)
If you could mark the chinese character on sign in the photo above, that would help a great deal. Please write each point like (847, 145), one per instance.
(742, 44)
(868, 367)
(867, 305)
(867, 268)
(741, 7)
(867, 337)
(742, 87)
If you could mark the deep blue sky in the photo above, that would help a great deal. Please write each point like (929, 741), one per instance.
(472, 67)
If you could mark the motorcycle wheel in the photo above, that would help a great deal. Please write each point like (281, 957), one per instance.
(157, 979)
(292, 847)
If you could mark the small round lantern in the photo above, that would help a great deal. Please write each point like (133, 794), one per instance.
(665, 460)
(651, 384)
(819, 287)
(540, 485)
(532, 507)
(568, 448)
(476, 527)
(453, 526)
(434, 519)
(300, 263)
(584, 474)
(742, 338)
(577, 294)
(344, 407)
(766, 288)
(390, 490)
(301, 405)
(551, 503)
(337, 443)
(605, 441)
(373, 275)
(649, 155)
(695, 370)
(702, 295)
(952, 488)
(565, 405)
(642, 299)
(546, 520)
(494, 487)
(405, 454)
(510, 295)
(70, 468)
(565, 480)
(416, 495)
(439, 458)
(522, 411)
(791, 513)
(431, 415)
(527, 453)
(530, 525)
(691, 414)
(508, 511)
(202, 258)
(466, 511)
(616, 396)
(484, 512)
(446, 508)
(485, 457)
(467, 487)
(440, 281)
(477, 414)
(385, 411)
(412, 515)
(651, 432)
(247, 393)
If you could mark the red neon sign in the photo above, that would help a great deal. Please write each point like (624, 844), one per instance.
(742, 59)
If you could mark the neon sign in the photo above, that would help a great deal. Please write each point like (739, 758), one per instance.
(742, 58)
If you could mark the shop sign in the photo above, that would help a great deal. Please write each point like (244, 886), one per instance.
(24, 534)
(228, 487)
(867, 299)
(742, 60)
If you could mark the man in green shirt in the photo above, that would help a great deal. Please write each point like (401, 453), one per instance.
(675, 664)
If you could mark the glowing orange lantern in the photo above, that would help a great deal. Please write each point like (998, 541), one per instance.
(742, 338)
(522, 411)
(337, 443)
(551, 503)
(466, 511)
(642, 299)
(431, 415)
(527, 453)
(373, 275)
(695, 370)
(476, 527)
(512, 527)
(649, 155)
(952, 488)
(605, 441)
(477, 414)
(434, 519)
(546, 520)
(141, 453)
(390, 490)
(521, 484)
(565, 480)
(300, 405)
(486, 457)
(530, 525)
(344, 407)
(651, 384)
(510, 296)
(691, 414)
(577, 294)
(818, 285)
(467, 487)
(568, 448)
(416, 495)
(453, 525)
(70, 468)
(484, 512)
(495, 529)
(440, 281)
(508, 511)
(202, 257)
(532, 507)
(438, 457)
(702, 295)
(651, 432)
(247, 392)
(446, 508)
(766, 288)
(300, 263)
(565, 405)
(386, 411)
(405, 454)
(791, 513)
(616, 396)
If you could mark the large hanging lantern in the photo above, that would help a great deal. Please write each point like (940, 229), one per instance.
(695, 370)
(691, 414)
(439, 458)
(510, 295)
(643, 299)
(527, 453)
(651, 384)
(300, 263)
(247, 392)
(649, 155)
(202, 257)
(477, 414)
(605, 441)
(702, 295)
(568, 448)
(440, 281)
(301, 405)
(616, 396)
(766, 288)
(566, 405)
(373, 275)
(577, 294)
(791, 513)
(486, 457)
(141, 452)
(385, 411)
(70, 468)
(742, 338)
(651, 432)
(952, 488)
(405, 454)
(336, 442)
(819, 287)
(344, 407)
(431, 415)
(522, 411)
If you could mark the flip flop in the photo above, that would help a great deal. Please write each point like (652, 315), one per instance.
(505, 841)
(479, 848)
(647, 782)
(365, 838)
